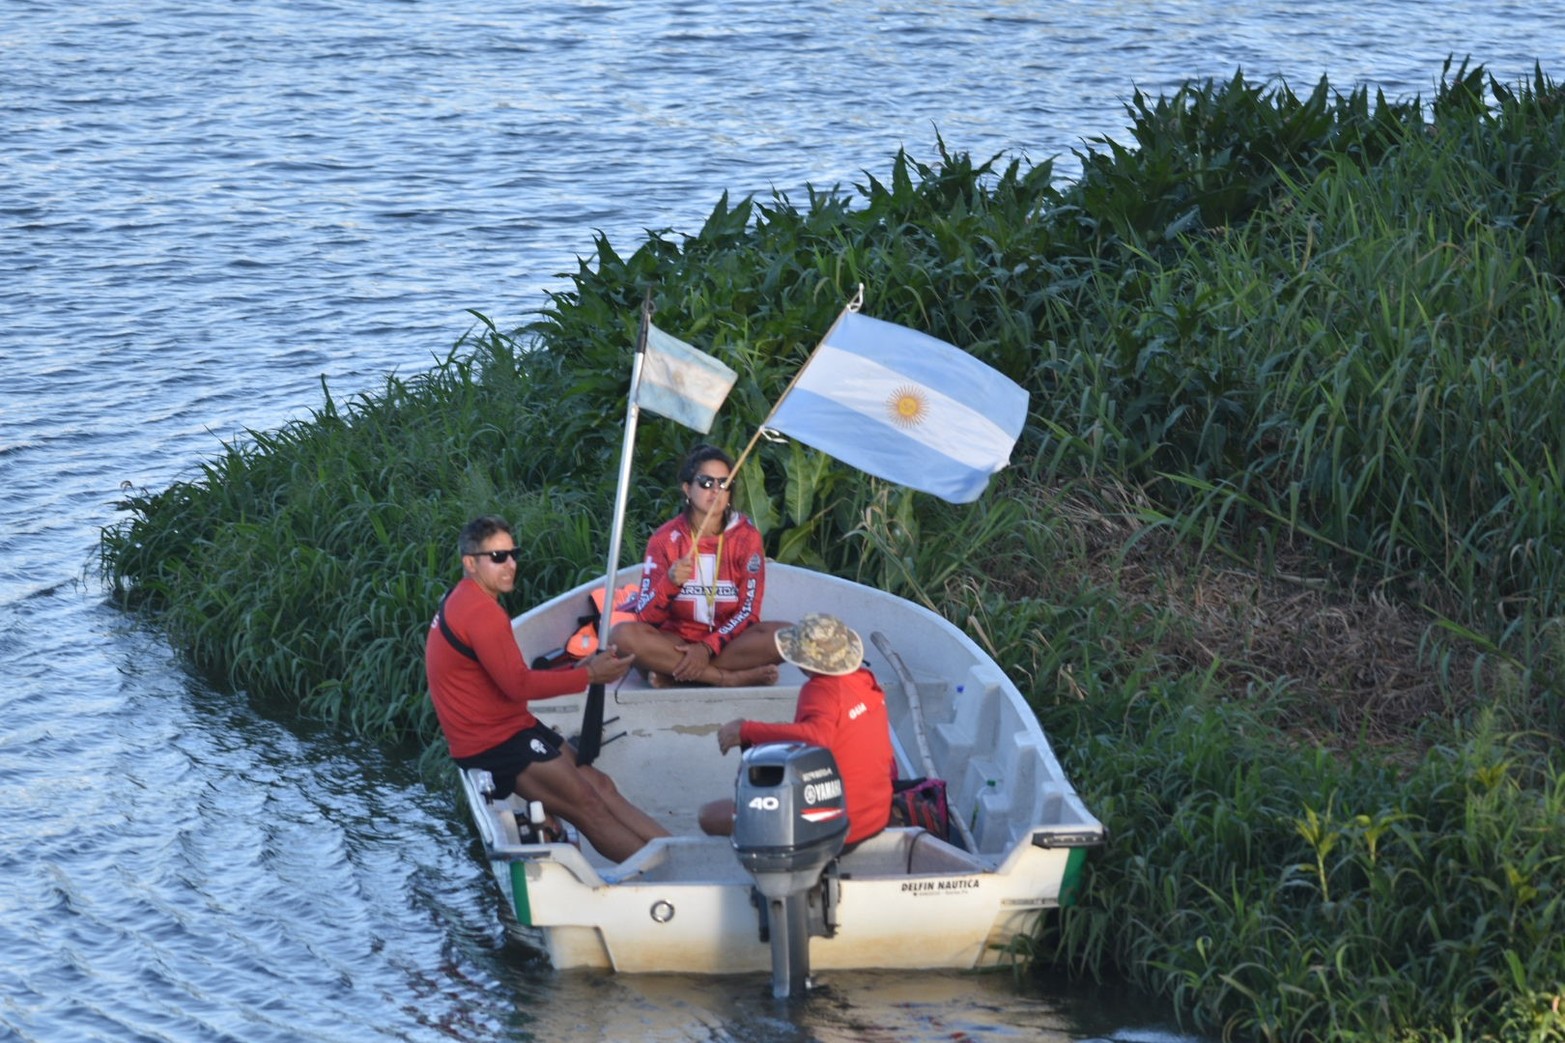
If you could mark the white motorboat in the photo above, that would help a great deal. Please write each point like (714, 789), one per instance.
(904, 898)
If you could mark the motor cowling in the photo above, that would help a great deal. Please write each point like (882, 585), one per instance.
(790, 821)
(790, 817)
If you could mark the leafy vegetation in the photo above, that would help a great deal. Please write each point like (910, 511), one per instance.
(1279, 561)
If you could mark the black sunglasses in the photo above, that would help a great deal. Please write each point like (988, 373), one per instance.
(499, 556)
(706, 481)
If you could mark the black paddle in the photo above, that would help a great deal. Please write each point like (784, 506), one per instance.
(590, 741)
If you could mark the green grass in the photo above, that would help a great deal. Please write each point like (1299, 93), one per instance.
(1278, 562)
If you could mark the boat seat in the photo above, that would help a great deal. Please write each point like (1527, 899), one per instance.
(641, 692)
(908, 851)
(681, 859)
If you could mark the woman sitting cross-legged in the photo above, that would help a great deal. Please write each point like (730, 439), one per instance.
(699, 605)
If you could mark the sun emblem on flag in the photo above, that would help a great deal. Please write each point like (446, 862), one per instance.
(908, 406)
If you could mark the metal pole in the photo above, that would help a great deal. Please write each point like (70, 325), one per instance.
(591, 740)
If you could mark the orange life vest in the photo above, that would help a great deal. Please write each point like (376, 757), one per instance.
(585, 641)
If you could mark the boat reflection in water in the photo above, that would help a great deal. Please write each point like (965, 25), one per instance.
(846, 1007)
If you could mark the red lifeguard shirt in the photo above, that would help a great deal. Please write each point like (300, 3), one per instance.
(846, 715)
(724, 595)
(481, 704)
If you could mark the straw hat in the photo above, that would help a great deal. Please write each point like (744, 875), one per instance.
(822, 643)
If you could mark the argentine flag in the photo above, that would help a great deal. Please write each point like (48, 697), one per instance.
(904, 407)
(680, 382)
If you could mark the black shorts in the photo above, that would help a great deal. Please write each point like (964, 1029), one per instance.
(507, 760)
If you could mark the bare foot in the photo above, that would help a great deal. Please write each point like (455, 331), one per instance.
(659, 680)
(766, 674)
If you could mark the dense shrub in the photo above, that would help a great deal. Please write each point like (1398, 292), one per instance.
(1313, 340)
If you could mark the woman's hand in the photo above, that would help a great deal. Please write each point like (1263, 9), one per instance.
(680, 571)
(693, 661)
(728, 735)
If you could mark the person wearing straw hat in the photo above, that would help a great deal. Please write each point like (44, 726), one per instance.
(698, 609)
(842, 708)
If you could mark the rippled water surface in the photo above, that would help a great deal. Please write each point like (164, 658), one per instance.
(206, 208)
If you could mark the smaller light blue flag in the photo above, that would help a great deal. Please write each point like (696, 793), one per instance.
(681, 382)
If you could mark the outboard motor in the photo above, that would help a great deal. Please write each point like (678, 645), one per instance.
(790, 821)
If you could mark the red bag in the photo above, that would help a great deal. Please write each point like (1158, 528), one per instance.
(921, 802)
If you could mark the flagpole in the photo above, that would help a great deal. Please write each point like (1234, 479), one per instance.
(853, 305)
(591, 739)
(622, 488)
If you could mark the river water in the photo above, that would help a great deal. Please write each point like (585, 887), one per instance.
(206, 206)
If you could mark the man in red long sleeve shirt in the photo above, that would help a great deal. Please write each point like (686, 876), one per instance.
(842, 708)
(480, 686)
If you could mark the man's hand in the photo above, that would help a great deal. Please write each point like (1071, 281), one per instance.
(608, 666)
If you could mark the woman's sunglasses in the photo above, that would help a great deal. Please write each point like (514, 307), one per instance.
(499, 556)
(706, 481)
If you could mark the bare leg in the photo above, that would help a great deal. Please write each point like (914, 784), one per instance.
(717, 818)
(626, 813)
(749, 659)
(566, 791)
(757, 646)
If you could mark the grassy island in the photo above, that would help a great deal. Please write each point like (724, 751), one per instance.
(1279, 561)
